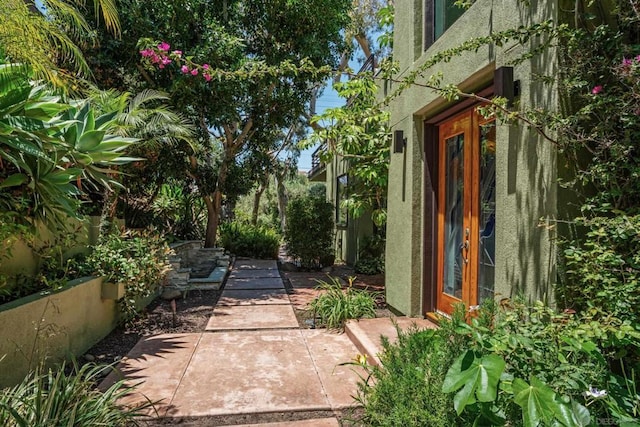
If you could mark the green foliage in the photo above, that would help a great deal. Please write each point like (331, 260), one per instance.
(249, 241)
(139, 260)
(369, 266)
(179, 212)
(371, 255)
(58, 257)
(47, 43)
(55, 398)
(360, 133)
(603, 268)
(532, 365)
(336, 305)
(406, 390)
(309, 231)
(50, 149)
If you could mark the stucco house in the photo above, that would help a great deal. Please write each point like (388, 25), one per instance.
(468, 197)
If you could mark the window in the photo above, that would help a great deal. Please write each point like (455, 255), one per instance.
(341, 195)
(439, 16)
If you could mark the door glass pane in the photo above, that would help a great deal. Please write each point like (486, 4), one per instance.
(487, 220)
(454, 215)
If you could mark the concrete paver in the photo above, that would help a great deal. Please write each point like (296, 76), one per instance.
(250, 317)
(254, 274)
(254, 283)
(366, 333)
(329, 352)
(255, 264)
(156, 363)
(253, 297)
(244, 372)
(252, 358)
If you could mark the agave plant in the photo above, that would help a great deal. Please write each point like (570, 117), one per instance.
(47, 146)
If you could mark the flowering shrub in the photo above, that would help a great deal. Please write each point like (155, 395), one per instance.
(161, 56)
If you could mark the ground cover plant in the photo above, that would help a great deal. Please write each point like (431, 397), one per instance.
(56, 398)
(406, 390)
(515, 364)
(335, 305)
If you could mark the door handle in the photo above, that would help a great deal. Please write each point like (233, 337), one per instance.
(465, 247)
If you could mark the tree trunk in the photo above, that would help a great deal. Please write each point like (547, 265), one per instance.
(213, 217)
(282, 201)
(256, 204)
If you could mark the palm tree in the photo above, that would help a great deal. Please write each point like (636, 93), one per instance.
(147, 118)
(43, 39)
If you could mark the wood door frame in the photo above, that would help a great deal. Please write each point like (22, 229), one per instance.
(432, 255)
(460, 124)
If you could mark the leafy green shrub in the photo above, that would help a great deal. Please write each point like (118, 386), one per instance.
(336, 305)
(369, 266)
(406, 390)
(371, 255)
(604, 271)
(309, 231)
(57, 399)
(139, 260)
(250, 241)
(533, 366)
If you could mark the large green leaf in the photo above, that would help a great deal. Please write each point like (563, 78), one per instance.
(477, 375)
(541, 406)
(536, 400)
(90, 140)
(14, 180)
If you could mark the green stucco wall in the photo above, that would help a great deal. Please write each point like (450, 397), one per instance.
(526, 164)
(347, 240)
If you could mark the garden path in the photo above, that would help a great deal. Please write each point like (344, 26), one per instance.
(251, 360)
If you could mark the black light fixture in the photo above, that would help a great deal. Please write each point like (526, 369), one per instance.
(505, 85)
(399, 141)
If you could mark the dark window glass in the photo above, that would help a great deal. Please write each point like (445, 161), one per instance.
(440, 15)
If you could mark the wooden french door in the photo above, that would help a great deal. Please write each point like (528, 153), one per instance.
(466, 211)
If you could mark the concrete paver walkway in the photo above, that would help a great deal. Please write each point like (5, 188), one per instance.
(252, 358)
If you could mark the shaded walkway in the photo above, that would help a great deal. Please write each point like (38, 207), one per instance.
(252, 359)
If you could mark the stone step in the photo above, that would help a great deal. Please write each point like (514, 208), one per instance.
(365, 333)
(213, 281)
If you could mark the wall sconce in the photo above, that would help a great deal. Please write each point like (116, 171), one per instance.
(505, 85)
(399, 141)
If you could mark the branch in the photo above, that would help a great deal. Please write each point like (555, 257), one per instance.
(482, 99)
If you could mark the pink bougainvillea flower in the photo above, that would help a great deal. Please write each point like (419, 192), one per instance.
(205, 66)
(638, 58)
(155, 58)
(626, 62)
(161, 66)
(146, 52)
(164, 46)
(166, 60)
(194, 72)
(596, 89)
(184, 69)
(177, 52)
(207, 77)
